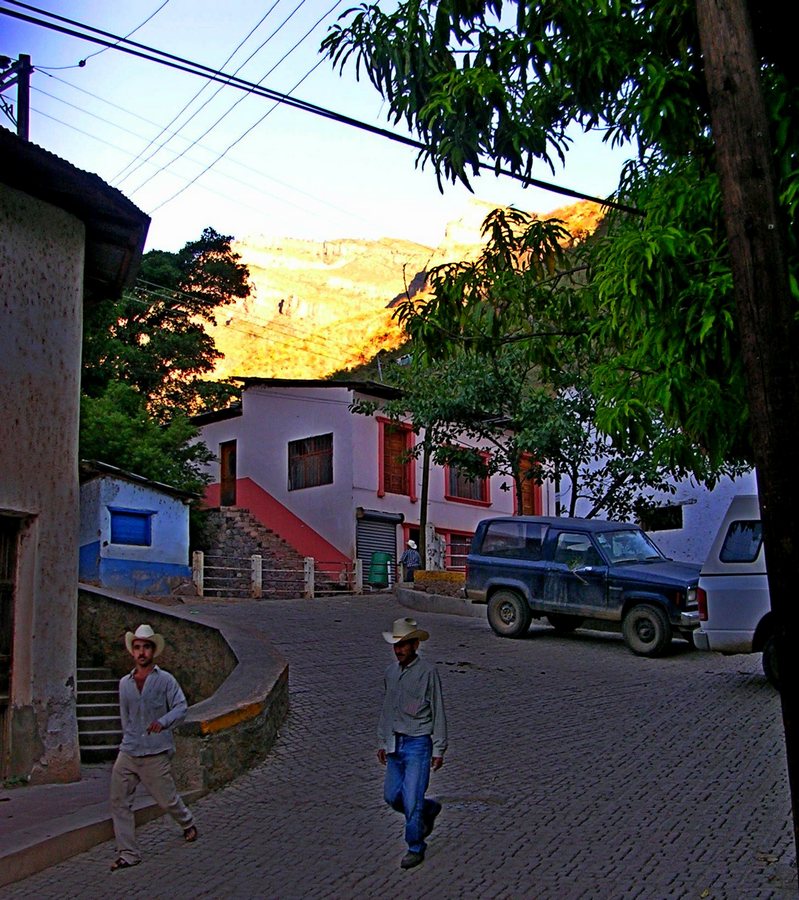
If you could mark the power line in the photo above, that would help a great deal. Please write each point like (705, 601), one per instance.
(231, 108)
(184, 65)
(117, 179)
(133, 31)
(318, 201)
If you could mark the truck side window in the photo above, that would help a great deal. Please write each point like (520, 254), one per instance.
(518, 540)
(742, 542)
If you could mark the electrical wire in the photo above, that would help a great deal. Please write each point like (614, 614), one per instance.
(118, 178)
(181, 64)
(231, 145)
(318, 201)
(152, 15)
(234, 105)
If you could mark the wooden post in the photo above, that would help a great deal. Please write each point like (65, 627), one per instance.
(308, 567)
(197, 565)
(256, 577)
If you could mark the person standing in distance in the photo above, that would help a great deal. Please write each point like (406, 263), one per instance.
(151, 703)
(411, 560)
(412, 736)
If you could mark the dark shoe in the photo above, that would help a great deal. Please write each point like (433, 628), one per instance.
(411, 859)
(190, 834)
(122, 863)
(430, 818)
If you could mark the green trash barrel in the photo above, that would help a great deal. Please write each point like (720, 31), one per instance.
(378, 569)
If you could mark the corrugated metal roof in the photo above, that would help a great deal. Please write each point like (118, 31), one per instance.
(115, 228)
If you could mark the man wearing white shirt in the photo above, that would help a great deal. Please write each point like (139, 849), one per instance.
(151, 703)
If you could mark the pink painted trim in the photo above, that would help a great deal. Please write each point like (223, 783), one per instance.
(272, 514)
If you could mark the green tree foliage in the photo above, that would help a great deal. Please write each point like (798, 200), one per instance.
(153, 338)
(144, 356)
(503, 82)
(117, 428)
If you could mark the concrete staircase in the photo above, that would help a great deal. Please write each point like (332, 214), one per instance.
(99, 725)
(236, 535)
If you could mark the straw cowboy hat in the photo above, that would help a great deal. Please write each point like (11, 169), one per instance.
(405, 630)
(412, 545)
(145, 633)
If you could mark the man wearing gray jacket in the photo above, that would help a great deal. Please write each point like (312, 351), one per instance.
(412, 735)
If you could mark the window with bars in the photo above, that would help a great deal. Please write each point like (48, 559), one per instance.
(311, 462)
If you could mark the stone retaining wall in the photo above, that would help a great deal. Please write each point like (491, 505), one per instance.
(235, 681)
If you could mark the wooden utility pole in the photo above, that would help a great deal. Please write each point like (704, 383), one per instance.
(769, 336)
(19, 73)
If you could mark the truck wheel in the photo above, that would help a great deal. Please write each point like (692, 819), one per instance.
(647, 631)
(508, 614)
(562, 623)
(770, 662)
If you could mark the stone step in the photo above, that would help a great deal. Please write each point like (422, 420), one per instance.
(109, 696)
(109, 708)
(88, 724)
(100, 737)
(97, 707)
(98, 754)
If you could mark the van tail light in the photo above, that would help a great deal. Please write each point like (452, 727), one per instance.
(701, 599)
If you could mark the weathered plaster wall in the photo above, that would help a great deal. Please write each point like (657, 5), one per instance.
(41, 290)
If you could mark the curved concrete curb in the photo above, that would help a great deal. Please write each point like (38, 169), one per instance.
(236, 682)
(439, 603)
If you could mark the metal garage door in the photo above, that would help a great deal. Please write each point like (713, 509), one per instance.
(376, 532)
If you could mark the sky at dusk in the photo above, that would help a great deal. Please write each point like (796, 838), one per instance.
(235, 161)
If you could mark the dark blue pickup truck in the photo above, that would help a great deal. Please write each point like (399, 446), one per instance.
(573, 570)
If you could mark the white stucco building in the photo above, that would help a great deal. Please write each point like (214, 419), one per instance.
(336, 484)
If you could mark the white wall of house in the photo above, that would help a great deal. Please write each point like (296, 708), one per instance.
(702, 511)
(274, 415)
(41, 294)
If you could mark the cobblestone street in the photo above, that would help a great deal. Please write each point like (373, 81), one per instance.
(575, 770)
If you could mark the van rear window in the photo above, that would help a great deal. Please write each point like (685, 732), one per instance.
(743, 541)
(519, 540)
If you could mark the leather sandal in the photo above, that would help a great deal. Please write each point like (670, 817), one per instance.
(122, 863)
(190, 834)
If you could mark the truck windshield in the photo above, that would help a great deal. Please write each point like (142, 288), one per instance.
(627, 546)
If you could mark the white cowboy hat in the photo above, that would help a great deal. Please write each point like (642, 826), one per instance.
(405, 630)
(145, 633)
(412, 545)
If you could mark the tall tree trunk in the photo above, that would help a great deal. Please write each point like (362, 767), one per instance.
(765, 319)
(427, 450)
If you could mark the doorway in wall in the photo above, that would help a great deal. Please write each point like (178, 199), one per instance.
(9, 536)
(227, 464)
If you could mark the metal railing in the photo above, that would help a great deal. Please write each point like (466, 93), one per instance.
(256, 577)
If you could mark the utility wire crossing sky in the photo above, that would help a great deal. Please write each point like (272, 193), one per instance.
(318, 163)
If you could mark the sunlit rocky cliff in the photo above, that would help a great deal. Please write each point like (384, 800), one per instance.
(317, 307)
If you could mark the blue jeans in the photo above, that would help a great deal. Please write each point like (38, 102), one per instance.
(407, 777)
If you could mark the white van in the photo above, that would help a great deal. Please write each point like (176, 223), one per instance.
(734, 605)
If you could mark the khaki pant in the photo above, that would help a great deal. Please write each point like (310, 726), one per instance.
(155, 773)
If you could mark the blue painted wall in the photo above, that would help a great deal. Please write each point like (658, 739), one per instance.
(131, 568)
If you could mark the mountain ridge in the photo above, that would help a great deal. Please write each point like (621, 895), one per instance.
(319, 307)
